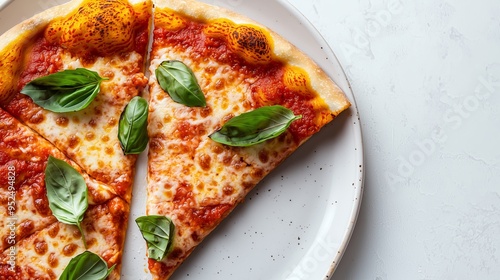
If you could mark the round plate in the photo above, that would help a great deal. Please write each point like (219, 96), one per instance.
(297, 222)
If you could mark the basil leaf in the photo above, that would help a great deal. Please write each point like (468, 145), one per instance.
(86, 266)
(132, 129)
(178, 80)
(66, 192)
(158, 231)
(65, 91)
(254, 127)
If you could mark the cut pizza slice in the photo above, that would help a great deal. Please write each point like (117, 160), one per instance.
(229, 101)
(34, 243)
(46, 254)
(102, 44)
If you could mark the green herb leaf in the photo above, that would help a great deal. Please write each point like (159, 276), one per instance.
(86, 266)
(65, 91)
(132, 129)
(158, 231)
(66, 192)
(256, 126)
(178, 80)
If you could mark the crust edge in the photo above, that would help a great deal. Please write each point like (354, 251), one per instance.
(283, 49)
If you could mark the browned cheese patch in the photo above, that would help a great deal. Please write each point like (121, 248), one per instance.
(252, 43)
(98, 26)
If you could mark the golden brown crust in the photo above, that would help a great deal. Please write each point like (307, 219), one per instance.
(282, 48)
(14, 42)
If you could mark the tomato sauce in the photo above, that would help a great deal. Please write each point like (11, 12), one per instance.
(269, 88)
(28, 172)
(202, 217)
(43, 60)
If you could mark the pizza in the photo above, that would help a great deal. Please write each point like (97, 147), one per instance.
(217, 99)
(67, 76)
(38, 234)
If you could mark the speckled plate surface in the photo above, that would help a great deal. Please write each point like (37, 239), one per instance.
(297, 222)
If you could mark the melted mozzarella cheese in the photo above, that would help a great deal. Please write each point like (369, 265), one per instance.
(192, 179)
(46, 253)
(90, 136)
(30, 207)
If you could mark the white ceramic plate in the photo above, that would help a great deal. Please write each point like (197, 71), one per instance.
(297, 222)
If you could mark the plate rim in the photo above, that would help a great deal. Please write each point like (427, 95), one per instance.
(357, 130)
(4, 3)
(359, 184)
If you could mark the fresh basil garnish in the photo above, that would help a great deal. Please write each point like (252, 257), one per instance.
(158, 231)
(66, 192)
(254, 127)
(86, 266)
(132, 129)
(178, 80)
(65, 91)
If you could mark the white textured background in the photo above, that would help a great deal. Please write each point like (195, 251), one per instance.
(426, 75)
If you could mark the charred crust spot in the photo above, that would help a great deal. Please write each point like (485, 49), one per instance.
(168, 19)
(250, 42)
(296, 79)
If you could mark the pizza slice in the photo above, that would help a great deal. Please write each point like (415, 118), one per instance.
(47, 253)
(68, 77)
(102, 45)
(23, 159)
(34, 243)
(229, 101)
